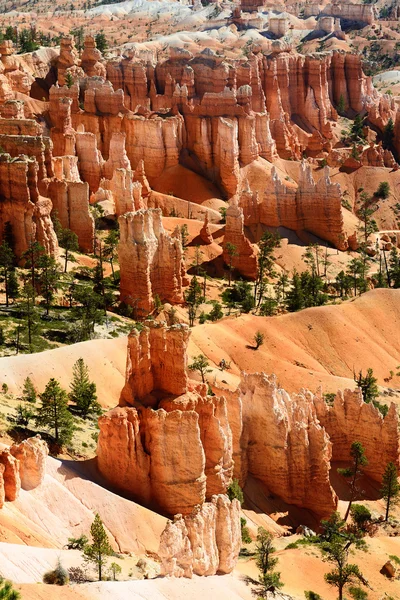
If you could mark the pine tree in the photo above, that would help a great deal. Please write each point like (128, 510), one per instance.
(390, 487)
(101, 41)
(295, 296)
(232, 252)
(69, 80)
(69, 241)
(100, 548)
(29, 312)
(29, 391)
(13, 285)
(368, 385)
(7, 259)
(354, 472)
(394, 268)
(200, 364)
(54, 414)
(341, 107)
(388, 134)
(193, 298)
(49, 278)
(7, 592)
(32, 256)
(83, 391)
(111, 243)
(265, 264)
(266, 563)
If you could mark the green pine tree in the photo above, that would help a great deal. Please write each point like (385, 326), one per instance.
(29, 391)
(54, 414)
(390, 487)
(83, 391)
(100, 548)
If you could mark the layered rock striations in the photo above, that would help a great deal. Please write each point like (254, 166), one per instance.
(22, 466)
(151, 261)
(203, 543)
(350, 419)
(238, 252)
(284, 445)
(154, 462)
(311, 206)
(23, 208)
(156, 360)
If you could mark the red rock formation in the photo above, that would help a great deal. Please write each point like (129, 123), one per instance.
(21, 205)
(215, 434)
(314, 207)
(350, 419)
(117, 157)
(245, 259)
(202, 543)
(32, 454)
(2, 491)
(67, 59)
(284, 444)
(205, 232)
(91, 161)
(156, 360)
(91, 59)
(151, 261)
(12, 481)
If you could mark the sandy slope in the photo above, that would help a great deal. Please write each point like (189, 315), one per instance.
(317, 346)
(105, 359)
(225, 587)
(64, 506)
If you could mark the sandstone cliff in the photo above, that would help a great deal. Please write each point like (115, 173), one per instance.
(203, 543)
(151, 261)
(284, 445)
(350, 419)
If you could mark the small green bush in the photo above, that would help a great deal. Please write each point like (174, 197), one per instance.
(312, 595)
(59, 576)
(360, 514)
(235, 491)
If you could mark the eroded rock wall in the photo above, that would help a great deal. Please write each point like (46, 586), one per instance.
(151, 261)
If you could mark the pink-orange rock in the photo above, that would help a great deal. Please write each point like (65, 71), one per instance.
(215, 434)
(68, 57)
(156, 361)
(147, 456)
(205, 232)
(2, 491)
(203, 543)
(91, 59)
(117, 157)
(140, 177)
(151, 261)
(23, 207)
(284, 444)
(12, 481)
(314, 207)
(245, 257)
(32, 454)
(350, 419)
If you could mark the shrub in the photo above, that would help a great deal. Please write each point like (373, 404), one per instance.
(59, 576)
(383, 190)
(235, 491)
(76, 575)
(360, 514)
(77, 543)
(358, 593)
(312, 595)
(246, 539)
(216, 313)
